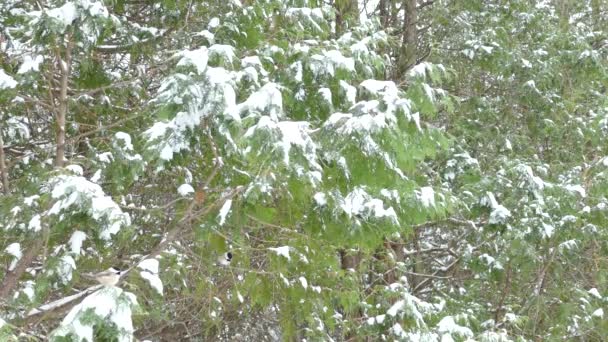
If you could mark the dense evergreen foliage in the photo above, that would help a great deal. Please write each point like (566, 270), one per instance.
(384, 170)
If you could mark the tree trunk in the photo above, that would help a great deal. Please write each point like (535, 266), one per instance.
(596, 14)
(383, 6)
(563, 11)
(3, 169)
(408, 53)
(65, 67)
(347, 12)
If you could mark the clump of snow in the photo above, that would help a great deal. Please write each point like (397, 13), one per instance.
(282, 251)
(34, 223)
(576, 188)
(64, 15)
(126, 140)
(499, 214)
(290, 133)
(350, 93)
(30, 64)
(268, 98)
(224, 211)
(547, 230)
(305, 17)
(490, 261)
(185, 189)
(370, 116)
(360, 203)
(320, 198)
(255, 62)
(28, 290)
(78, 192)
(213, 23)
(215, 94)
(421, 70)
(303, 282)
(197, 58)
(18, 127)
(6, 82)
(31, 200)
(95, 8)
(14, 249)
(330, 61)
(75, 169)
(376, 320)
(149, 271)
(110, 304)
(447, 325)
(224, 52)
(325, 94)
(76, 241)
(595, 293)
(65, 268)
(426, 196)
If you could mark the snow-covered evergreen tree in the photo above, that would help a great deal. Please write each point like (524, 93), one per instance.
(453, 194)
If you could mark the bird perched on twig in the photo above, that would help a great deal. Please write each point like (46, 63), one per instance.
(109, 277)
(225, 259)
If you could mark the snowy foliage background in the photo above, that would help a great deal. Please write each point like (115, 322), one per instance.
(383, 170)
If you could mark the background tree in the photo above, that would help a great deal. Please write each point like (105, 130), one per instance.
(463, 198)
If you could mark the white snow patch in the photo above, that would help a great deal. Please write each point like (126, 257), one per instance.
(548, 230)
(292, 133)
(282, 251)
(126, 139)
(499, 213)
(224, 211)
(109, 303)
(268, 98)
(65, 14)
(75, 169)
(449, 326)
(360, 203)
(14, 249)
(213, 23)
(329, 61)
(185, 189)
(225, 52)
(595, 293)
(303, 282)
(576, 188)
(350, 92)
(197, 58)
(76, 241)
(30, 64)
(149, 271)
(320, 198)
(426, 196)
(325, 94)
(34, 223)
(6, 81)
(31, 200)
(77, 191)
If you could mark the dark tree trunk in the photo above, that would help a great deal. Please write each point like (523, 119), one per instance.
(408, 53)
(347, 13)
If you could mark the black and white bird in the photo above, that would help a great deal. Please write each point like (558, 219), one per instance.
(109, 277)
(224, 259)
